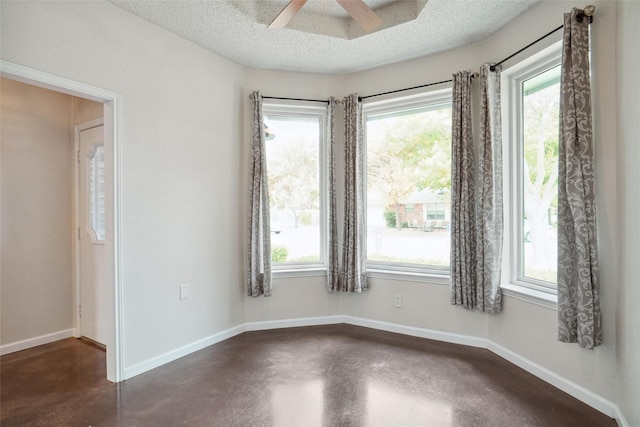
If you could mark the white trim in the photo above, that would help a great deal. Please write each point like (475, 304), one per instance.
(113, 138)
(36, 341)
(291, 271)
(533, 296)
(590, 398)
(172, 355)
(409, 276)
(294, 323)
(413, 331)
(620, 418)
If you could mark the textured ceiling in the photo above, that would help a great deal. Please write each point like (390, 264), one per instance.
(322, 38)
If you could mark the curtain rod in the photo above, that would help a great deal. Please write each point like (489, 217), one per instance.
(588, 12)
(493, 67)
(360, 98)
(296, 99)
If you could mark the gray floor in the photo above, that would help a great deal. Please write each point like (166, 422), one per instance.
(337, 375)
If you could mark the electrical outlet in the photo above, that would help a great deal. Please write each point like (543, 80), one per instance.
(184, 291)
(397, 300)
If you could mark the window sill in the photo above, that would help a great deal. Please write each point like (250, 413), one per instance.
(543, 299)
(409, 276)
(284, 273)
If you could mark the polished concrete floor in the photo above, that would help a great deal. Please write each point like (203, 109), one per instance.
(337, 375)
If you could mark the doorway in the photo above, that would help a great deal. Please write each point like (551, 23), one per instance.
(111, 301)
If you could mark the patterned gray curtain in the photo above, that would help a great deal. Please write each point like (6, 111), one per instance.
(578, 289)
(463, 211)
(489, 201)
(333, 269)
(354, 276)
(259, 274)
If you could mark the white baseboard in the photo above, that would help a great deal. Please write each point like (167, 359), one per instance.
(418, 332)
(294, 323)
(36, 341)
(597, 402)
(619, 416)
(172, 355)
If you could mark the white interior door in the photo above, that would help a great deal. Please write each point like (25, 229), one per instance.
(91, 232)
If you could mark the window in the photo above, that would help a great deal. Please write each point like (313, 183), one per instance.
(408, 161)
(295, 172)
(436, 211)
(534, 119)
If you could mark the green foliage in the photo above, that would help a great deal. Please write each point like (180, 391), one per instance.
(306, 258)
(306, 218)
(405, 224)
(409, 152)
(390, 219)
(279, 253)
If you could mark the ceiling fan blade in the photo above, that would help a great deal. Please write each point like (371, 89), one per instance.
(287, 14)
(362, 14)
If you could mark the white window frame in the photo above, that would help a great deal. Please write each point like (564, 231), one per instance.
(411, 272)
(316, 110)
(513, 281)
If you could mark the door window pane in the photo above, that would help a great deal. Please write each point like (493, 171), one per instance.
(97, 194)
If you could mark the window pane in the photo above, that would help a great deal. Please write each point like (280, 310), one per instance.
(293, 165)
(408, 186)
(541, 110)
(97, 193)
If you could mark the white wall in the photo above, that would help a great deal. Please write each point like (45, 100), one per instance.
(627, 314)
(180, 161)
(36, 198)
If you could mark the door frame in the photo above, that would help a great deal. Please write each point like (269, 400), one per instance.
(112, 143)
(77, 129)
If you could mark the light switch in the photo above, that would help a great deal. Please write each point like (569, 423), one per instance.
(184, 291)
